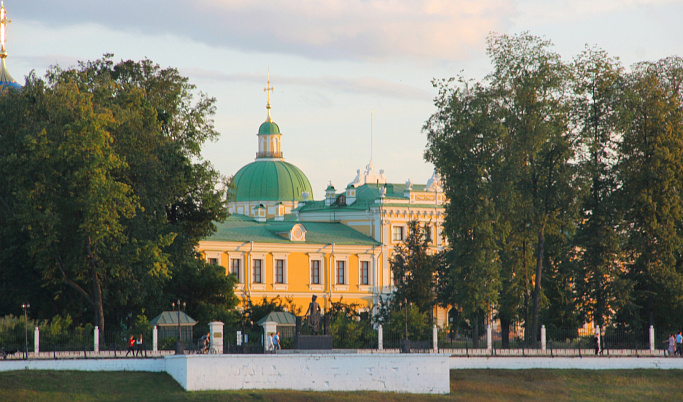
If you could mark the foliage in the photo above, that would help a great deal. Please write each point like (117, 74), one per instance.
(103, 187)
(413, 268)
(348, 330)
(563, 181)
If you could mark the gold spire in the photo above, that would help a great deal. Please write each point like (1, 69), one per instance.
(268, 89)
(3, 27)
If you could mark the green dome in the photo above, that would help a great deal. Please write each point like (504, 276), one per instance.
(269, 127)
(270, 180)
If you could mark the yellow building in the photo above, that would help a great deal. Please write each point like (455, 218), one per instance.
(280, 242)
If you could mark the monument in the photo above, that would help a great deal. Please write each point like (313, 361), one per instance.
(317, 341)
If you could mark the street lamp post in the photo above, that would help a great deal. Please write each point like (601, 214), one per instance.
(179, 349)
(25, 306)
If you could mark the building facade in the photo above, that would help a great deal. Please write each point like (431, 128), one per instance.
(278, 241)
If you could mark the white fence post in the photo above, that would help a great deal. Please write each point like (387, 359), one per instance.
(155, 339)
(652, 338)
(380, 337)
(435, 338)
(36, 342)
(96, 336)
(543, 341)
(489, 338)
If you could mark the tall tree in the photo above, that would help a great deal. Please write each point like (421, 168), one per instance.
(63, 191)
(464, 143)
(651, 171)
(505, 148)
(529, 82)
(596, 86)
(139, 127)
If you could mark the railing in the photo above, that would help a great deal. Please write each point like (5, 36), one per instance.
(349, 334)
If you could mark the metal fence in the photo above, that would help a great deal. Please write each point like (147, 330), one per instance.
(348, 334)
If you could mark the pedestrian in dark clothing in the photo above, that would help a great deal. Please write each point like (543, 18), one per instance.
(131, 346)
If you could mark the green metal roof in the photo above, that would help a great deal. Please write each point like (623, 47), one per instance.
(268, 127)
(168, 318)
(280, 317)
(368, 194)
(270, 180)
(242, 228)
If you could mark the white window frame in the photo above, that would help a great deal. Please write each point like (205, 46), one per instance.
(285, 274)
(258, 285)
(236, 255)
(365, 259)
(316, 287)
(403, 228)
(341, 286)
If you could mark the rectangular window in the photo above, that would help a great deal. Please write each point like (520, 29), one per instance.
(398, 233)
(279, 271)
(315, 272)
(257, 271)
(341, 272)
(213, 261)
(364, 272)
(235, 268)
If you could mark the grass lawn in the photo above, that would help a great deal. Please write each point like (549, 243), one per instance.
(465, 385)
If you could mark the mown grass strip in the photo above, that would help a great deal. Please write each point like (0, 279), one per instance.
(555, 385)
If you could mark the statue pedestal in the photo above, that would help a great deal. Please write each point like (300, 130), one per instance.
(313, 342)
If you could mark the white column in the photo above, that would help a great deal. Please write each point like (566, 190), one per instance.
(36, 342)
(216, 329)
(652, 338)
(96, 337)
(543, 341)
(489, 338)
(380, 338)
(435, 338)
(155, 339)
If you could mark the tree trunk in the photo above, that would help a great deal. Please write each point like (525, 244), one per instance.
(505, 332)
(537, 285)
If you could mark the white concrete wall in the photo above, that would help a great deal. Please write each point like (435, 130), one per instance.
(418, 373)
(578, 363)
(86, 364)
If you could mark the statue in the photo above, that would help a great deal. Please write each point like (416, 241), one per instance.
(313, 314)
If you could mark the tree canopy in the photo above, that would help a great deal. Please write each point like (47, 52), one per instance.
(103, 192)
(563, 183)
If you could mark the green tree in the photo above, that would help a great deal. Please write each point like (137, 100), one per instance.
(505, 150)
(651, 173)
(464, 139)
(116, 196)
(529, 83)
(596, 86)
(413, 268)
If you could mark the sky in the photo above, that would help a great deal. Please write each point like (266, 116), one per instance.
(345, 72)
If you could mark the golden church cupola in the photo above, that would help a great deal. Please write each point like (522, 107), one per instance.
(6, 80)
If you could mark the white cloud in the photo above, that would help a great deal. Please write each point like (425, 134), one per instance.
(378, 30)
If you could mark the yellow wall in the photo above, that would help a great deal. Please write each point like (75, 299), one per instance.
(298, 286)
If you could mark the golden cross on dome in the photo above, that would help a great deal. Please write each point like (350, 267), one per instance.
(3, 24)
(268, 89)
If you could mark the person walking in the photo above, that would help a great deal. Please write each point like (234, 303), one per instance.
(679, 346)
(276, 341)
(672, 345)
(131, 346)
(138, 345)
